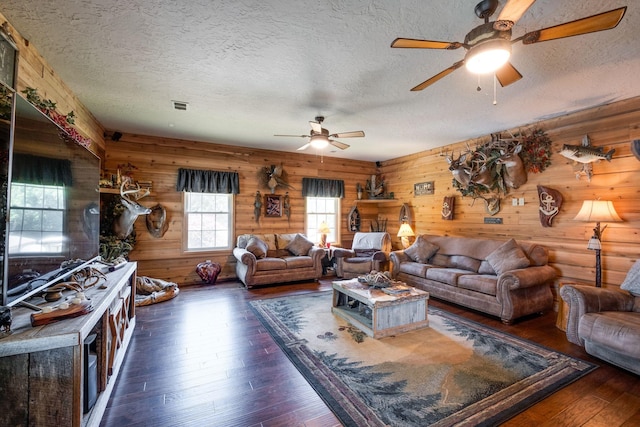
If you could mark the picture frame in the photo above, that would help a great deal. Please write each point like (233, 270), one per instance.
(272, 205)
(8, 60)
(423, 188)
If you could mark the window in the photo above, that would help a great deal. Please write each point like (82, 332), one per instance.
(208, 221)
(37, 219)
(321, 209)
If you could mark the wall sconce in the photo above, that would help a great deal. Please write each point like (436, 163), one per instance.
(404, 233)
(597, 211)
(323, 230)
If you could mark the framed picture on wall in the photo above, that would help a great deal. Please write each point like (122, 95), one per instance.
(273, 205)
(8, 54)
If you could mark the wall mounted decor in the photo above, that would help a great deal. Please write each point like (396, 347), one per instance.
(273, 205)
(286, 206)
(584, 155)
(274, 176)
(405, 214)
(257, 206)
(157, 223)
(423, 188)
(550, 203)
(353, 219)
(447, 207)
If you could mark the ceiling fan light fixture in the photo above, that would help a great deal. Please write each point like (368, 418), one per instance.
(488, 56)
(319, 142)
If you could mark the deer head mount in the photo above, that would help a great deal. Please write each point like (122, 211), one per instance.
(123, 225)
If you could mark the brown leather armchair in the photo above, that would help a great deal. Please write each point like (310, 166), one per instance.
(606, 323)
(369, 251)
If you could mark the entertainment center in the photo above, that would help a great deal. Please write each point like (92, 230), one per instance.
(62, 374)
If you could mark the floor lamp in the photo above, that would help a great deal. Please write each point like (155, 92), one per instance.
(597, 211)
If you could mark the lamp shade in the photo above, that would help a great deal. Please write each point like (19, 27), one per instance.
(319, 141)
(324, 228)
(597, 211)
(405, 231)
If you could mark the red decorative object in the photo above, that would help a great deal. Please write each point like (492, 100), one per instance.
(209, 271)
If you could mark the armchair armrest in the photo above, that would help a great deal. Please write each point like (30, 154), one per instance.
(379, 256)
(583, 299)
(343, 253)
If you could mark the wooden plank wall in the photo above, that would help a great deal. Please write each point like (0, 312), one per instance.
(611, 126)
(158, 160)
(34, 71)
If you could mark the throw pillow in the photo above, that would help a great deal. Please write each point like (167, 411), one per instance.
(300, 245)
(508, 256)
(257, 247)
(631, 283)
(421, 250)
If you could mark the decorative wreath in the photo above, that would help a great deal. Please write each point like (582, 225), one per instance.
(536, 151)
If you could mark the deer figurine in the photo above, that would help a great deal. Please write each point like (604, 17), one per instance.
(123, 225)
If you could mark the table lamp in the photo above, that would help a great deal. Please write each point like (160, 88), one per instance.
(404, 233)
(323, 230)
(597, 211)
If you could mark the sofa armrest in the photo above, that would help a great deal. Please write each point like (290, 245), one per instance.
(247, 258)
(317, 254)
(583, 299)
(526, 277)
(397, 257)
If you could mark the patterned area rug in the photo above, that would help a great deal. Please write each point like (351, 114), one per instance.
(454, 372)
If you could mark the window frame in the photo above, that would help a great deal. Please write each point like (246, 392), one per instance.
(230, 222)
(332, 219)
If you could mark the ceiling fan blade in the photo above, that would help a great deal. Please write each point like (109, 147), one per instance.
(511, 13)
(354, 134)
(424, 44)
(304, 147)
(317, 127)
(338, 144)
(438, 76)
(507, 74)
(297, 136)
(590, 24)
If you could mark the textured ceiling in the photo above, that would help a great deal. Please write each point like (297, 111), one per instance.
(252, 69)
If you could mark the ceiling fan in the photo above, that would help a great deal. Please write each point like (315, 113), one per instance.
(320, 138)
(489, 45)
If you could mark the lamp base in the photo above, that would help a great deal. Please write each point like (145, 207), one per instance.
(405, 242)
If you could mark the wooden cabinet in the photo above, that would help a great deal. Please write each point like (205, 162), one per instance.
(42, 369)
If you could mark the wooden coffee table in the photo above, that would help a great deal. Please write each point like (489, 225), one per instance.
(377, 313)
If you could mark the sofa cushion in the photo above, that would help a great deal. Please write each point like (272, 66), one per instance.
(441, 260)
(445, 275)
(300, 245)
(631, 282)
(421, 250)
(465, 263)
(257, 247)
(507, 257)
(298, 261)
(414, 268)
(268, 264)
(284, 239)
(484, 283)
(485, 268)
(617, 330)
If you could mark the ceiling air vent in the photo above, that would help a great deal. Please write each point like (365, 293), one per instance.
(180, 105)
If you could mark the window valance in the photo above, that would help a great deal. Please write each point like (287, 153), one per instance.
(203, 181)
(316, 187)
(29, 169)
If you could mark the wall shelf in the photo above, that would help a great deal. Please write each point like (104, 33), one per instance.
(378, 201)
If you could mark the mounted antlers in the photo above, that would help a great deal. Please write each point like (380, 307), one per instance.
(123, 225)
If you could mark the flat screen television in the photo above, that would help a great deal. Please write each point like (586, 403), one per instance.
(53, 204)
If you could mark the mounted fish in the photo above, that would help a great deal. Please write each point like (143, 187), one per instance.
(585, 154)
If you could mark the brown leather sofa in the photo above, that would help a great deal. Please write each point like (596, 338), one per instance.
(505, 279)
(606, 322)
(264, 259)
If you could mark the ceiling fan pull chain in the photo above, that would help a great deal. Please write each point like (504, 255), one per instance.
(478, 88)
(495, 91)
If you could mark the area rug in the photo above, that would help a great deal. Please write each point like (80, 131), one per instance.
(453, 372)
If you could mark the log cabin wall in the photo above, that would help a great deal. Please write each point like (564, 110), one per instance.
(610, 126)
(158, 160)
(34, 71)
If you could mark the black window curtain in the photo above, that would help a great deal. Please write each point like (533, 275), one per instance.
(202, 181)
(28, 169)
(316, 187)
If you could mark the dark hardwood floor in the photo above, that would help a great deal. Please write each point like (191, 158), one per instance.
(203, 359)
